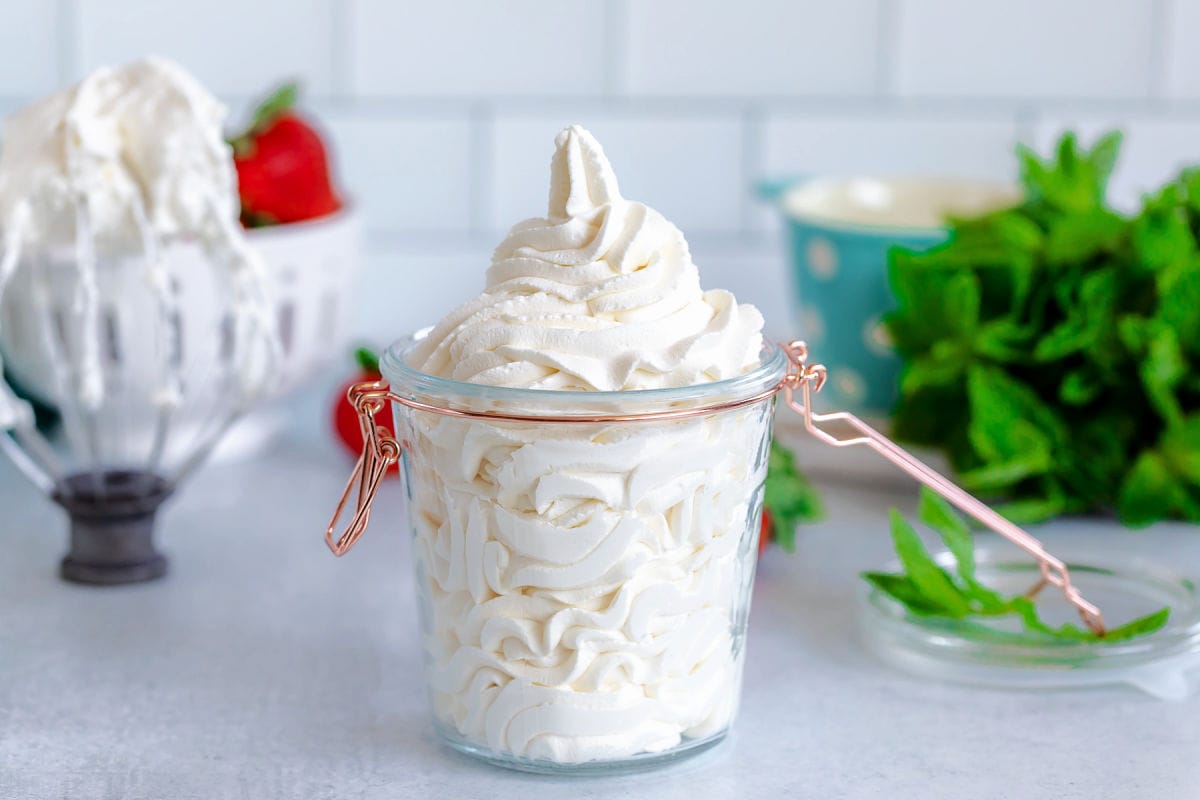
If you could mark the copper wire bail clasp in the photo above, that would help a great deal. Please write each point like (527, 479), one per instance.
(380, 451)
(809, 378)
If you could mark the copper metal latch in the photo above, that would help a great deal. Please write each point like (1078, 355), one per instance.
(381, 450)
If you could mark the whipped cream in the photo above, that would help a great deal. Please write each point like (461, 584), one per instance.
(127, 161)
(601, 295)
(585, 586)
(586, 589)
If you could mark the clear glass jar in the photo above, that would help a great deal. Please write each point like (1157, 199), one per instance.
(583, 587)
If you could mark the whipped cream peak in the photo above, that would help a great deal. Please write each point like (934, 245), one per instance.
(581, 179)
(600, 295)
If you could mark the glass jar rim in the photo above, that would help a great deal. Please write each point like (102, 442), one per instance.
(772, 367)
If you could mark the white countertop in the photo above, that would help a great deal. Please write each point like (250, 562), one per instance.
(262, 667)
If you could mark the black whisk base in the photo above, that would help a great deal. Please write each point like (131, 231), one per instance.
(112, 527)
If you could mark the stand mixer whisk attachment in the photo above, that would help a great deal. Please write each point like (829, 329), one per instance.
(130, 303)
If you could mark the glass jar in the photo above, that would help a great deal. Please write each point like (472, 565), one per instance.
(583, 586)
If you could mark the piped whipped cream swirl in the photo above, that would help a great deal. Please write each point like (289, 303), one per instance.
(599, 295)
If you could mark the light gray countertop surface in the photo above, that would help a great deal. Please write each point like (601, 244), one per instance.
(263, 668)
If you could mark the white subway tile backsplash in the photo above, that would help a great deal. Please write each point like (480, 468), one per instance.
(443, 115)
(889, 144)
(411, 175)
(752, 47)
(757, 274)
(29, 41)
(234, 47)
(688, 167)
(406, 286)
(1153, 151)
(1025, 48)
(1182, 26)
(476, 47)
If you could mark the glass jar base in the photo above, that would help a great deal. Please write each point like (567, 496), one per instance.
(623, 766)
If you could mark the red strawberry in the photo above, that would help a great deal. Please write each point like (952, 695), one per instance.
(764, 533)
(282, 166)
(345, 417)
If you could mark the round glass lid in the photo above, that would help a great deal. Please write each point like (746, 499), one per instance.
(1001, 651)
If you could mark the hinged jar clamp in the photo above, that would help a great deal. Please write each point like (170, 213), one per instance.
(381, 450)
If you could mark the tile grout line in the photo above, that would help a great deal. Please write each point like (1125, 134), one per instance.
(733, 105)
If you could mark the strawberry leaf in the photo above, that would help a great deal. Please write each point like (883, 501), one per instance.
(281, 100)
(367, 360)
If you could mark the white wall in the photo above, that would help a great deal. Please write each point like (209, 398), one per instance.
(443, 113)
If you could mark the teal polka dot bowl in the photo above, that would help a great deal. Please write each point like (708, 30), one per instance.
(839, 234)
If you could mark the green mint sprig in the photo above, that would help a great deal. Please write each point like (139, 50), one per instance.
(926, 589)
(788, 497)
(1052, 349)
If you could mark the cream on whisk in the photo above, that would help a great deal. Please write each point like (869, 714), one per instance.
(124, 163)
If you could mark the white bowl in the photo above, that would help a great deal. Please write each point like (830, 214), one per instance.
(312, 273)
(312, 270)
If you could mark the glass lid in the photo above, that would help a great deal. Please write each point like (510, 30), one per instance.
(999, 652)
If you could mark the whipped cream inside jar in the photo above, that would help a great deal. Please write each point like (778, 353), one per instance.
(584, 585)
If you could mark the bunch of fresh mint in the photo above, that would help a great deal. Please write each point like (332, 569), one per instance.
(1051, 349)
(926, 589)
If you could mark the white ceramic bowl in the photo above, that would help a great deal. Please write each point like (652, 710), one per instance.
(313, 270)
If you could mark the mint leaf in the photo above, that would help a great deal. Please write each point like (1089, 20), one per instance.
(788, 496)
(1083, 236)
(1165, 479)
(1080, 387)
(927, 590)
(1139, 627)
(1179, 304)
(1025, 607)
(937, 514)
(1010, 424)
(1074, 180)
(901, 588)
(1180, 448)
(1161, 235)
(926, 576)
